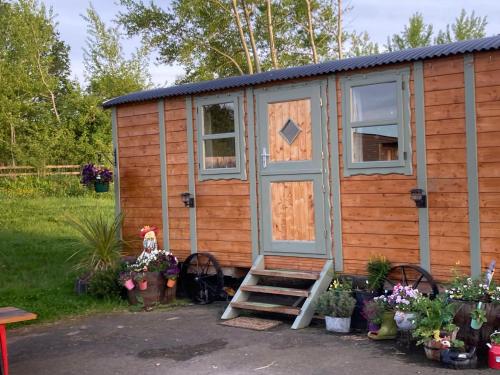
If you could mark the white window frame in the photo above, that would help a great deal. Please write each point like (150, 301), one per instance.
(403, 165)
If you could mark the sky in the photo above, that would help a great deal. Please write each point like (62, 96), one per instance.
(379, 17)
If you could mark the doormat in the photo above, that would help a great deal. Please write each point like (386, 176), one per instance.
(257, 324)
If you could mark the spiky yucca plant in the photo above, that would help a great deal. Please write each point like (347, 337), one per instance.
(99, 246)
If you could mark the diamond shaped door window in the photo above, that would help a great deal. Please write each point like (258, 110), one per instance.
(290, 131)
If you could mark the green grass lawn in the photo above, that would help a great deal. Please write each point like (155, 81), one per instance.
(35, 243)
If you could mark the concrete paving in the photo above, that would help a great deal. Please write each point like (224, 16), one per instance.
(190, 340)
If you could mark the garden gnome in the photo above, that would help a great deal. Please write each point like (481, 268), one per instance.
(148, 233)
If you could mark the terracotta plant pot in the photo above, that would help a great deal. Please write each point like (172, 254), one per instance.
(171, 283)
(129, 284)
(143, 284)
(433, 350)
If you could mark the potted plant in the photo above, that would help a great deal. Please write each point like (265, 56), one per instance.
(455, 356)
(98, 247)
(373, 312)
(434, 324)
(388, 329)
(378, 268)
(403, 299)
(127, 279)
(172, 270)
(142, 282)
(337, 307)
(98, 177)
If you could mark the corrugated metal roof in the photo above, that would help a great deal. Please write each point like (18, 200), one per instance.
(484, 44)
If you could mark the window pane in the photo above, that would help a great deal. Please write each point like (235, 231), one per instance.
(374, 102)
(375, 143)
(218, 118)
(220, 153)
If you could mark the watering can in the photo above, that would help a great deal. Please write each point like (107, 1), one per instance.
(494, 353)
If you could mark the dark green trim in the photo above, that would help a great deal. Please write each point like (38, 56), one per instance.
(116, 161)
(163, 170)
(335, 174)
(423, 213)
(239, 172)
(254, 216)
(472, 166)
(404, 164)
(191, 180)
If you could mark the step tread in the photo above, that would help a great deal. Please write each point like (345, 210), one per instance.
(275, 290)
(305, 275)
(267, 307)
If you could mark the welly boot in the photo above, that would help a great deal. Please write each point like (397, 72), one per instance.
(388, 330)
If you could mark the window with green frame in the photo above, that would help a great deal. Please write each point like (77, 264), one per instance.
(376, 123)
(220, 137)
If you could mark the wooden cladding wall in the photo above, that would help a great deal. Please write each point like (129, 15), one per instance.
(177, 175)
(139, 160)
(378, 216)
(446, 166)
(487, 80)
(223, 213)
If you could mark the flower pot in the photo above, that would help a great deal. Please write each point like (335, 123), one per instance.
(129, 284)
(171, 283)
(405, 320)
(388, 329)
(341, 325)
(143, 284)
(101, 187)
(358, 321)
(433, 350)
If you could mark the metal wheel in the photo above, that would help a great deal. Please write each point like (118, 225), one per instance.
(202, 278)
(414, 276)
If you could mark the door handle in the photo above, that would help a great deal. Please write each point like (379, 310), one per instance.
(264, 156)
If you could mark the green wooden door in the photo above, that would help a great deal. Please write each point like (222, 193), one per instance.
(290, 157)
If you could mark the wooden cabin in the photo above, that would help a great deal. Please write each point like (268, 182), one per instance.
(303, 167)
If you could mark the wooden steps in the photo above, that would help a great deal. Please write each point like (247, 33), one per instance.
(294, 301)
(287, 274)
(267, 307)
(275, 290)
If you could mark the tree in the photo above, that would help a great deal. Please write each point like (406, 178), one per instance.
(465, 27)
(415, 34)
(34, 71)
(108, 72)
(220, 38)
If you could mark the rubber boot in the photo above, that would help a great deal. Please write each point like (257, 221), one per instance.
(388, 330)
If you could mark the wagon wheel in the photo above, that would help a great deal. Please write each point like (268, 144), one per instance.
(202, 278)
(414, 276)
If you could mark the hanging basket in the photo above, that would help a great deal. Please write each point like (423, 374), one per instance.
(101, 187)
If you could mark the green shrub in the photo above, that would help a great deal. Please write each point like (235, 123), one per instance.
(105, 284)
(338, 304)
(46, 186)
(378, 268)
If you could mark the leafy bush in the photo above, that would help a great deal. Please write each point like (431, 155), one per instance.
(46, 186)
(338, 304)
(105, 284)
(432, 317)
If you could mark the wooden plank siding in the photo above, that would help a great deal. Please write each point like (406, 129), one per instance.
(487, 80)
(139, 159)
(446, 166)
(223, 212)
(177, 175)
(378, 216)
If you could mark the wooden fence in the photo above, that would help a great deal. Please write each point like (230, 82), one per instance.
(16, 171)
